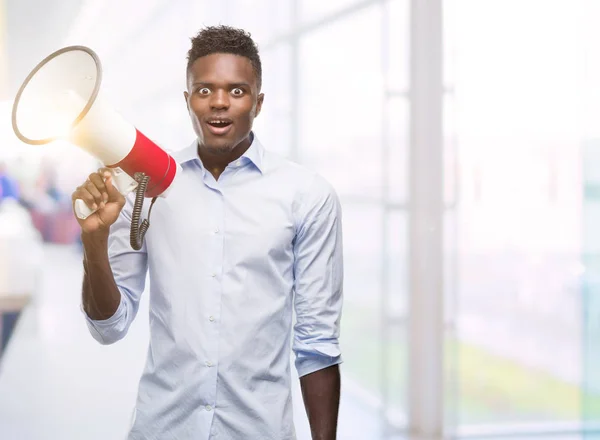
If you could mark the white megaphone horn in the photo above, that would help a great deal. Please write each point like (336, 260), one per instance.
(60, 100)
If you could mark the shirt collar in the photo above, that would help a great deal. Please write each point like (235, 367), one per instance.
(254, 153)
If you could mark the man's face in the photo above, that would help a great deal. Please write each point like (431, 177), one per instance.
(223, 100)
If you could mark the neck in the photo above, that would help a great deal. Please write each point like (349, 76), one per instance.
(216, 161)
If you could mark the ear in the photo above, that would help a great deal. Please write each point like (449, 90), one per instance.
(259, 103)
(186, 96)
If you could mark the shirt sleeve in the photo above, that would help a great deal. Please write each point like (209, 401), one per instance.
(129, 268)
(318, 279)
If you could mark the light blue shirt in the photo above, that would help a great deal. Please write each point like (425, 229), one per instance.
(230, 261)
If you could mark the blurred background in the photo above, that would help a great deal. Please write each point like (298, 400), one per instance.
(463, 138)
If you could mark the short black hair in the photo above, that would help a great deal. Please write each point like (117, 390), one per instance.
(225, 39)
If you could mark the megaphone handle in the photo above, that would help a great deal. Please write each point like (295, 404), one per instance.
(82, 210)
(124, 183)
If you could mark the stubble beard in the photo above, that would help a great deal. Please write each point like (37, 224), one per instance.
(220, 150)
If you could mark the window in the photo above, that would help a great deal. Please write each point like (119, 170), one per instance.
(516, 100)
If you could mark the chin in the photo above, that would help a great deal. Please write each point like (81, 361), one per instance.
(222, 146)
(221, 149)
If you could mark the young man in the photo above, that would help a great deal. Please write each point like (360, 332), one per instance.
(244, 238)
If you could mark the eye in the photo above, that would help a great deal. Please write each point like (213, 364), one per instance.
(204, 91)
(237, 92)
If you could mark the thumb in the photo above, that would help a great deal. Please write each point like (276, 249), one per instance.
(113, 193)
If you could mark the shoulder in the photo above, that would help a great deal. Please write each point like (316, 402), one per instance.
(312, 194)
(306, 181)
(182, 155)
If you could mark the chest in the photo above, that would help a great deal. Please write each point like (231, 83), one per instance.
(242, 220)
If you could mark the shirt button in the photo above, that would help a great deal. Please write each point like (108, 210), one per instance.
(237, 163)
(216, 230)
(211, 318)
(208, 408)
(208, 364)
(213, 275)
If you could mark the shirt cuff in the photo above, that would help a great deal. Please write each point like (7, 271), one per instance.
(100, 327)
(108, 321)
(310, 364)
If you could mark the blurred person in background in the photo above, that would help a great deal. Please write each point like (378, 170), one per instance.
(49, 205)
(9, 187)
(244, 238)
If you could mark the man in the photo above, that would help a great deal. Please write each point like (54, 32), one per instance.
(243, 239)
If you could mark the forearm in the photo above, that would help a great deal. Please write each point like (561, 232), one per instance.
(321, 393)
(100, 294)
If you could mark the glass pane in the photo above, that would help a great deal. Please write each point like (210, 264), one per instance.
(395, 309)
(273, 125)
(174, 130)
(341, 103)
(519, 219)
(341, 135)
(361, 328)
(451, 355)
(451, 9)
(590, 33)
(150, 60)
(394, 386)
(312, 10)
(451, 189)
(373, 327)
(396, 159)
(264, 19)
(397, 13)
(590, 269)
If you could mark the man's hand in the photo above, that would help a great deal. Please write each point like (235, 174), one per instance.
(321, 393)
(98, 192)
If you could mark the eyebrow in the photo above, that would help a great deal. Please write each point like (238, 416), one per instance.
(238, 84)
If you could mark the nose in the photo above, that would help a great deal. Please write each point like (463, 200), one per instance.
(220, 100)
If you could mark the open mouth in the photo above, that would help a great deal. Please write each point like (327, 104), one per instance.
(219, 122)
(219, 126)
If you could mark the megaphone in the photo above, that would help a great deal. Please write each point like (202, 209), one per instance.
(60, 100)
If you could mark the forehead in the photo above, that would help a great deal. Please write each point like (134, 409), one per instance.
(222, 68)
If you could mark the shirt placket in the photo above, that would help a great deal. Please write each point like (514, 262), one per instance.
(215, 212)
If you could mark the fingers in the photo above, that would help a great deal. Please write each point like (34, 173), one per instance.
(82, 192)
(113, 193)
(96, 186)
(93, 191)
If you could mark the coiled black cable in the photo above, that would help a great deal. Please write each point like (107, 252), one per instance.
(138, 231)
